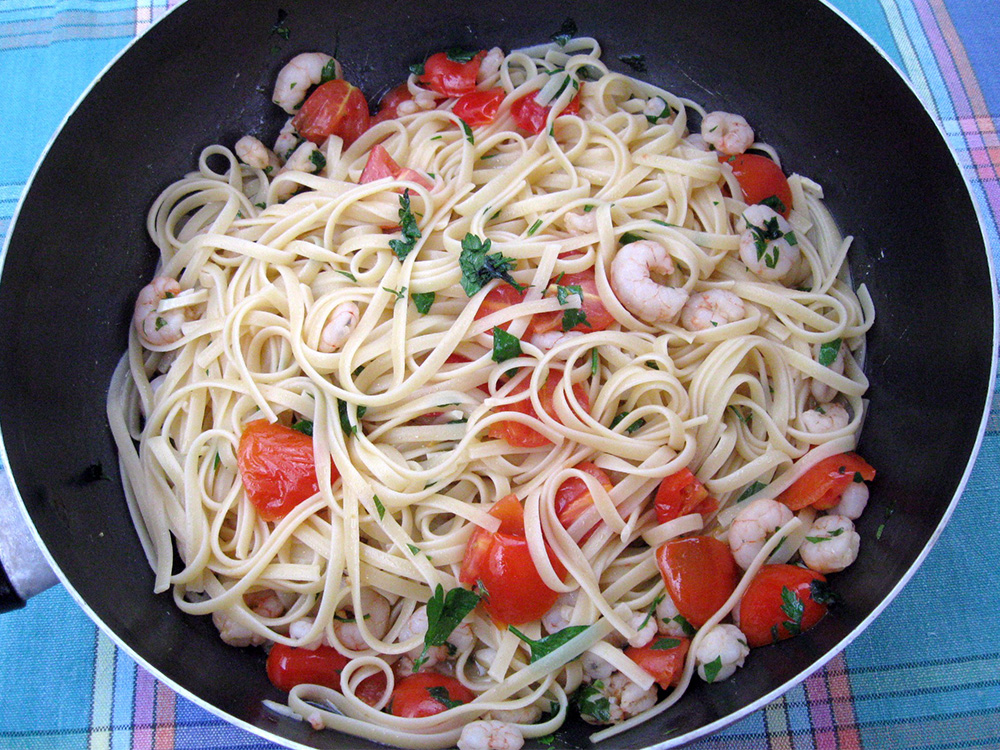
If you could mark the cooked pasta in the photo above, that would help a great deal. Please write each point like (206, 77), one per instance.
(565, 317)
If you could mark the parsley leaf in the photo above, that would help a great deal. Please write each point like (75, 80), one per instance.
(630, 237)
(345, 419)
(534, 227)
(595, 362)
(831, 535)
(637, 424)
(713, 668)
(444, 613)
(160, 322)
(318, 160)
(753, 489)
(573, 318)
(408, 227)
(793, 608)
(279, 28)
(652, 610)
(828, 352)
(347, 274)
(329, 72)
(563, 293)
(548, 644)
(636, 62)
(414, 549)
(686, 627)
(546, 740)
(459, 55)
(505, 345)
(468, 132)
(379, 507)
(665, 644)
(440, 694)
(479, 266)
(423, 301)
(775, 204)
(566, 32)
(821, 593)
(417, 69)
(304, 426)
(590, 701)
(400, 293)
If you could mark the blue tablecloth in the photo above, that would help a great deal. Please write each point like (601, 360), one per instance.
(926, 674)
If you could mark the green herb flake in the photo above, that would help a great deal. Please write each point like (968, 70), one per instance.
(408, 227)
(566, 32)
(414, 549)
(739, 414)
(379, 507)
(444, 613)
(440, 694)
(793, 608)
(775, 204)
(652, 609)
(160, 322)
(505, 345)
(534, 227)
(588, 208)
(400, 293)
(280, 28)
(821, 593)
(563, 293)
(713, 668)
(218, 461)
(329, 72)
(468, 132)
(629, 237)
(665, 644)
(423, 301)
(479, 266)
(828, 352)
(304, 426)
(817, 539)
(345, 419)
(547, 740)
(686, 627)
(346, 274)
(636, 62)
(595, 362)
(417, 69)
(590, 701)
(753, 489)
(574, 317)
(548, 644)
(318, 160)
(262, 205)
(459, 55)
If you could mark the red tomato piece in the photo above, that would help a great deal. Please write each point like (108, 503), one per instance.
(379, 165)
(663, 659)
(499, 298)
(449, 77)
(277, 467)
(680, 494)
(598, 317)
(531, 116)
(288, 666)
(412, 175)
(515, 592)
(388, 105)
(427, 694)
(700, 574)
(479, 107)
(334, 108)
(823, 484)
(779, 603)
(760, 178)
(573, 497)
(522, 436)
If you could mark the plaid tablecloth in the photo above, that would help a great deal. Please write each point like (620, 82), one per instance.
(925, 675)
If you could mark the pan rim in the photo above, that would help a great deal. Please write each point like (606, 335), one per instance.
(697, 733)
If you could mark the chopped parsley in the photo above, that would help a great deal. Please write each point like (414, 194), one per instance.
(764, 235)
(652, 610)
(665, 644)
(630, 237)
(590, 701)
(217, 462)
(548, 644)
(774, 203)
(444, 613)
(160, 322)
(408, 227)
(588, 208)
(686, 627)
(440, 694)
(346, 274)
(574, 317)
(637, 424)
(505, 345)
(753, 489)
(280, 28)
(566, 32)
(636, 62)
(739, 414)
(414, 549)
(828, 352)
(417, 69)
(713, 668)
(793, 608)
(423, 301)
(563, 293)
(318, 160)
(329, 72)
(459, 55)
(400, 293)
(534, 227)
(304, 426)
(379, 507)
(468, 132)
(595, 362)
(831, 535)
(345, 418)
(479, 266)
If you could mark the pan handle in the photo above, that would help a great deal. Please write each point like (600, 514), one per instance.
(24, 571)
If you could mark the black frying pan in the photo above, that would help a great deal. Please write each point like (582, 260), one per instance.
(809, 83)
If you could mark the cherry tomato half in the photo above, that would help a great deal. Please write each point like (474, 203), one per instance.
(334, 108)
(379, 165)
(823, 484)
(531, 116)
(761, 179)
(780, 603)
(573, 498)
(522, 436)
(700, 574)
(427, 694)
(663, 659)
(479, 107)
(501, 562)
(449, 77)
(680, 494)
(597, 316)
(277, 467)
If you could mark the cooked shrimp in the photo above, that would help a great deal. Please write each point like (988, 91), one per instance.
(721, 652)
(595, 667)
(287, 141)
(299, 73)
(336, 332)
(561, 613)
(853, 501)
(711, 308)
(158, 328)
(768, 245)
(490, 735)
(635, 288)
(304, 159)
(252, 152)
(580, 223)
(831, 544)
(460, 641)
(233, 632)
(669, 620)
(624, 698)
(527, 715)
(646, 629)
(421, 101)
(821, 391)
(656, 108)
(753, 526)
(549, 339)
(374, 610)
(490, 65)
(265, 603)
(300, 629)
(729, 133)
(825, 418)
